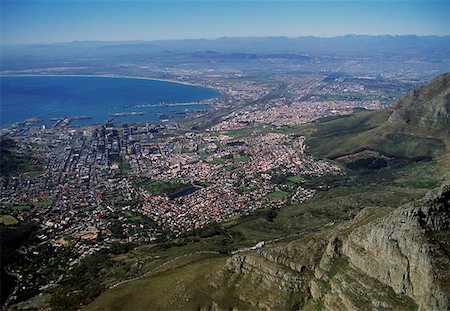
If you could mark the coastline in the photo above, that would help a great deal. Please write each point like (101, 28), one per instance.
(109, 76)
(217, 95)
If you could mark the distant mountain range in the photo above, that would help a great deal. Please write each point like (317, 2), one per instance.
(411, 57)
(410, 44)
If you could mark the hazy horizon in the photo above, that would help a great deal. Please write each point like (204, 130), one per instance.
(228, 37)
(46, 22)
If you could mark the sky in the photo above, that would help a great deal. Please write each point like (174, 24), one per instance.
(37, 21)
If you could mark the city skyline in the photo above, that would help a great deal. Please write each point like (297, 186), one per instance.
(28, 22)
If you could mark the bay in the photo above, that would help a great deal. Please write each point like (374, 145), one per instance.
(101, 98)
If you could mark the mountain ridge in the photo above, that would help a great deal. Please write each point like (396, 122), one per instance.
(416, 125)
(426, 108)
(378, 251)
(353, 44)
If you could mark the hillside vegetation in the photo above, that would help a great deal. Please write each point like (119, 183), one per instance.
(418, 125)
(14, 161)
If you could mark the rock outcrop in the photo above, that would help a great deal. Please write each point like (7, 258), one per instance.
(382, 260)
(401, 250)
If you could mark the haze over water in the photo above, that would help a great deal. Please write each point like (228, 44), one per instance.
(24, 97)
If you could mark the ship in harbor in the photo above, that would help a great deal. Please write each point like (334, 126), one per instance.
(124, 114)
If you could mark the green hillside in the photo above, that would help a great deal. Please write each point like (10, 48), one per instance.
(418, 125)
(14, 162)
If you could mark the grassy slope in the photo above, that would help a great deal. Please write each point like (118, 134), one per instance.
(187, 287)
(8, 220)
(370, 131)
(416, 126)
(13, 163)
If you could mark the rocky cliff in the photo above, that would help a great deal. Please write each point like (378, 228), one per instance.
(382, 260)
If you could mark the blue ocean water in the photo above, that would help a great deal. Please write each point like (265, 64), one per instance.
(49, 97)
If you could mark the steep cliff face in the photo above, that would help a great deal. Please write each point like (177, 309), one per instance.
(280, 274)
(382, 260)
(408, 250)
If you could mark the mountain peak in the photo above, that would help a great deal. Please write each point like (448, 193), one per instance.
(426, 108)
